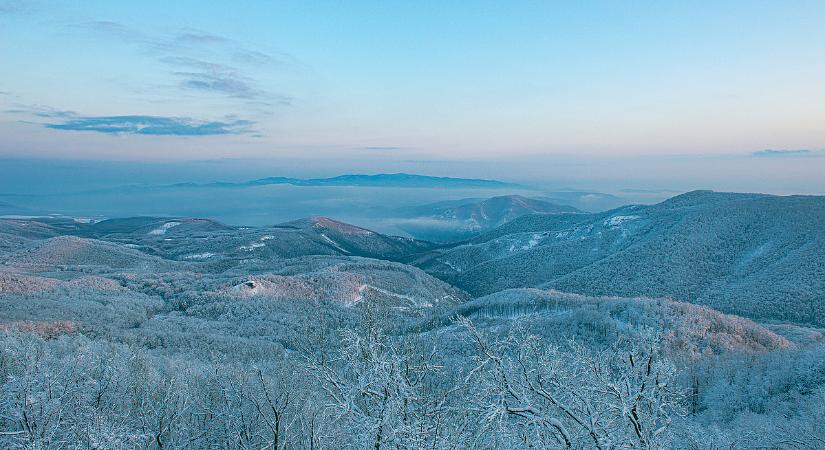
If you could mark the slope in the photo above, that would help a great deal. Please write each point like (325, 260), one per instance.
(756, 255)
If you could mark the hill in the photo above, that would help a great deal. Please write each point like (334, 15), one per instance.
(462, 219)
(760, 256)
(193, 239)
(291, 322)
(686, 329)
(155, 226)
(348, 281)
(84, 254)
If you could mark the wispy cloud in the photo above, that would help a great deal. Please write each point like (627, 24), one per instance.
(192, 56)
(134, 124)
(113, 30)
(40, 111)
(153, 125)
(200, 38)
(791, 153)
(207, 76)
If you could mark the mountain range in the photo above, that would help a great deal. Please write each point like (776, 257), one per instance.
(710, 302)
(377, 180)
(755, 255)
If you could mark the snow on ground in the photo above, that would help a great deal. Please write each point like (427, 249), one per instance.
(450, 265)
(252, 246)
(359, 295)
(754, 254)
(164, 228)
(616, 221)
(204, 255)
(334, 244)
(409, 299)
(534, 241)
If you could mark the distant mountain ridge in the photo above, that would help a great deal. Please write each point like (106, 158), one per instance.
(455, 220)
(387, 180)
(377, 180)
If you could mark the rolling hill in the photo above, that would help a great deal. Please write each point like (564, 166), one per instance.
(755, 255)
(192, 239)
(462, 219)
(687, 330)
(195, 312)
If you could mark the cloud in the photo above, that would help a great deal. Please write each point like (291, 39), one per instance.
(192, 56)
(794, 153)
(153, 125)
(212, 77)
(114, 30)
(223, 83)
(246, 56)
(40, 111)
(196, 37)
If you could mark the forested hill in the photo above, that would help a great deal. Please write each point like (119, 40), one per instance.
(314, 333)
(756, 255)
(457, 220)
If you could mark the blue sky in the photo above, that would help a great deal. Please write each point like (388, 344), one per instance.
(401, 80)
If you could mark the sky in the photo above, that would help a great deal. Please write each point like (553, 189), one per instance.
(389, 82)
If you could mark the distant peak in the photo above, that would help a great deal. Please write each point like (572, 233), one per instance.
(325, 223)
(699, 197)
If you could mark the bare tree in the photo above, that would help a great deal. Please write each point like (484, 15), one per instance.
(530, 391)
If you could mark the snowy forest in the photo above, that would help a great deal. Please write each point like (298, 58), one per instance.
(188, 333)
(386, 225)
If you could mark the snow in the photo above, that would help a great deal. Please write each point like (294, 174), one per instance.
(520, 244)
(451, 266)
(534, 241)
(204, 255)
(411, 300)
(616, 221)
(334, 244)
(252, 246)
(755, 254)
(164, 228)
(267, 237)
(358, 296)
